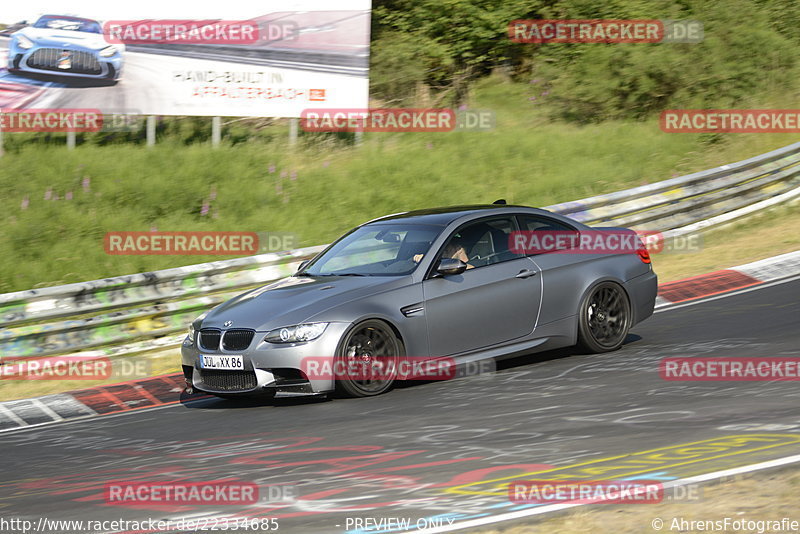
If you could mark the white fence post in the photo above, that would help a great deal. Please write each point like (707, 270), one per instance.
(293, 127)
(216, 131)
(151, 130)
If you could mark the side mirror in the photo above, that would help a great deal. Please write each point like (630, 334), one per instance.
(303, 265)
(451, 266)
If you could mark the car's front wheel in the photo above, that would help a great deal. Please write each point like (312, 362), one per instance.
(367, 359)
(604, 318)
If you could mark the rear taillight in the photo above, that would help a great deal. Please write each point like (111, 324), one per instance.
(644, 255)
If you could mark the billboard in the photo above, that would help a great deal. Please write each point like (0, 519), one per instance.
(181, 57)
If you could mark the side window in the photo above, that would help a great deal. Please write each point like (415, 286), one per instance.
(540, 224)
(534, 225)
(482, 243)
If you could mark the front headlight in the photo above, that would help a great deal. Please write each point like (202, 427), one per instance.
(23, 42)
(191, 333)
(296, 334)
(108, 51)
(190, 336)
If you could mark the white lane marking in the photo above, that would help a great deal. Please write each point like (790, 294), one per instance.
(556, 507)
(14, 417)
(661, 302)
(700, 300)
(46, 409)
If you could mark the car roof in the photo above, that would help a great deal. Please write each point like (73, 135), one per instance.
(67, 17)
(445, 215)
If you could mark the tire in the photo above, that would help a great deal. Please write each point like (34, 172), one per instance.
(604, 318)
(368, 343)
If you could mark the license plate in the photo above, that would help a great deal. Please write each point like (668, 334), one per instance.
(225, 363)
(65, 63)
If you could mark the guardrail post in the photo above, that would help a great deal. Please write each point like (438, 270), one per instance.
(216, 131)
(2, 150)
(359, 137)
(293, 127)
(70, 140)
(151, 130)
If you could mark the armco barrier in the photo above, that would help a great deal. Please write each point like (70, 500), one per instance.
(126, 314)
(123, 309)
(687, 199)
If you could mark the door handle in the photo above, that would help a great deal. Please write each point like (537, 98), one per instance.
(526, 273)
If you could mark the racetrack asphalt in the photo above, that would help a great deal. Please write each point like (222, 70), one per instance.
(425, 451)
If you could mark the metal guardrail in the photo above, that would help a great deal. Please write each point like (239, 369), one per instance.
(686, 199)
(137, 312)
(72, 317)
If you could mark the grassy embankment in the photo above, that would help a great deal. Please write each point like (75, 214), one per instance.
(323, 187)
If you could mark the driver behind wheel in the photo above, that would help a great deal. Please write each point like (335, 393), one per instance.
(456, 250)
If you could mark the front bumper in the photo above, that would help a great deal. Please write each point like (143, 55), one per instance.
(106, 68)
(269, 368)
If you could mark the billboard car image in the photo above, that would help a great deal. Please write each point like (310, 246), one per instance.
(238, 59)
(65, 46)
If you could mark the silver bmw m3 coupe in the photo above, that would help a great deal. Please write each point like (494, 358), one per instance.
(457, 285)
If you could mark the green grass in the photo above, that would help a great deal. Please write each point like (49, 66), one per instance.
(526, 159)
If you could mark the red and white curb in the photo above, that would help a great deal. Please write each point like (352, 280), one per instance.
(710, 284)
(100, 400)
(17, 96)
(169, 389)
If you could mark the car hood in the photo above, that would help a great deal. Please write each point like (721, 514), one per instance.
(294, 300)
(65, 38)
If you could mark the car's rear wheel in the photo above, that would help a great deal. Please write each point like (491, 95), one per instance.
(604, 318)
(366, 362)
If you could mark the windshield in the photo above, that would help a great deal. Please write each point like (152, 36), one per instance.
(70, 24)
(376, 250)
